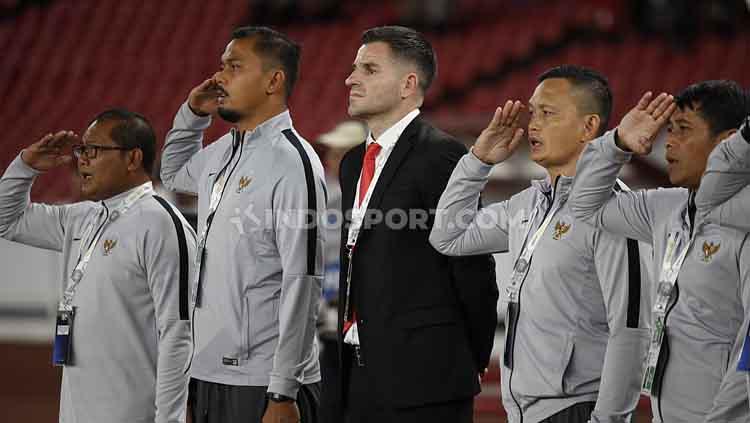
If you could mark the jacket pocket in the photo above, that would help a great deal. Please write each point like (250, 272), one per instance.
(583, 365)
(263, 325)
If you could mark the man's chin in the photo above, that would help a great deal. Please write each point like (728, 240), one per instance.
(229, 115)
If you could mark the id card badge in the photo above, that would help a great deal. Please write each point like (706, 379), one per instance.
(61, 353)
(652, 358)
(200, 255)
(743, 364)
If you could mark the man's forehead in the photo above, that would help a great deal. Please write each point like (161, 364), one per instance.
(687, 114)
(99, 132)
(377, 52)
(551, 92)
(237, 49)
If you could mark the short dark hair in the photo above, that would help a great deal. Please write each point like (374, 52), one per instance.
(131, 131)
(595, 85)
(723, 104)
(409, 45)
(276, 49)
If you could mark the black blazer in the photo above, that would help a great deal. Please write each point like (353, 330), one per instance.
(426, 321)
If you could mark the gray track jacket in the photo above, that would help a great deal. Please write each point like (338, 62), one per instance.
(580, 334)
(727, 172)
(706, 317)
(131, 335)
(263, 265)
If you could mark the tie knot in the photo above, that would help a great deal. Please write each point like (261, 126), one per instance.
(372, 151)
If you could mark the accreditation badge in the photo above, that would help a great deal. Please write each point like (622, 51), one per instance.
(743, 364)
(61, 353)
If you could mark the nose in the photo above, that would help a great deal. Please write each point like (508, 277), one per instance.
(219, 78)
(670, 142)
(533, 124)
(350, 80)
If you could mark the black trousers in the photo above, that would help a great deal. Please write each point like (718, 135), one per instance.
(363, 407)
(216, 403)
(578, 413)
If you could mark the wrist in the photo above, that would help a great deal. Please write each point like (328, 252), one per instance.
(278, 398)
(196, 111)
(618, 142)
(28, 162)
(480, 157)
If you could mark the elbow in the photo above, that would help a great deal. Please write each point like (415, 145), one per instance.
(441, 244)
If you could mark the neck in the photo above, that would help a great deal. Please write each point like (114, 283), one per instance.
(260, 115)
(135, 181)
(381, 123)
(565, 170)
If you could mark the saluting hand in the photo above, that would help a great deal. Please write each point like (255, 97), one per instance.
(204, 99)
(501, 137)
(640, 126)
(51, 151)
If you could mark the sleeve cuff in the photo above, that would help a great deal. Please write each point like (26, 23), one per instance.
(607, 145)
(476, 167)
(745, 130)
(286, 387)
(187, 118)
(20, 168)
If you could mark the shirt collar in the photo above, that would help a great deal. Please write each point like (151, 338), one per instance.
(564, 184)
(391, 135)
(117, 200)
(268, 128)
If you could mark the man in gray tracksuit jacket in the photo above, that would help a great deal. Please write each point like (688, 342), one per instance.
(130, 333)
(727, 177)
(579, 336)
(261, 271)
(695, 377)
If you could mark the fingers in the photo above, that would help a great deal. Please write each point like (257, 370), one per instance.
(62, 139)
(656, 103)
(496, 119)
(664, 118)
(510, 113)
(662, 108)
(644, 101)
(516, 141)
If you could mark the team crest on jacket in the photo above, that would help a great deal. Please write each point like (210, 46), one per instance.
(709, 249)
(243, 183)
(109, 244)
(561, 228)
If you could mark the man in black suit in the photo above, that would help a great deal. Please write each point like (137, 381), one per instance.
(416, 327)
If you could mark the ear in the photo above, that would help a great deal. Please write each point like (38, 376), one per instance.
(275, 82)
(410, 85)
(721, 136)
(135, 159)
(591, 125)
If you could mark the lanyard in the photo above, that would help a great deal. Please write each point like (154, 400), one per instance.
(217, 193)
(85, 256)
(521, 266)
(670, 268)
(359, 211)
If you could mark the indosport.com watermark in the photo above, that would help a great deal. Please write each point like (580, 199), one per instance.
(332, 219)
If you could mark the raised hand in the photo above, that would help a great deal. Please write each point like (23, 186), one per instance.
(51, 151)
(640, 126)
(501, 137)
(204, 99)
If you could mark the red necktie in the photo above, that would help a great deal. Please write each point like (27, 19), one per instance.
(368, 169)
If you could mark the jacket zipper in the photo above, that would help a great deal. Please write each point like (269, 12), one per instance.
(237, 138)
(515, 328)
